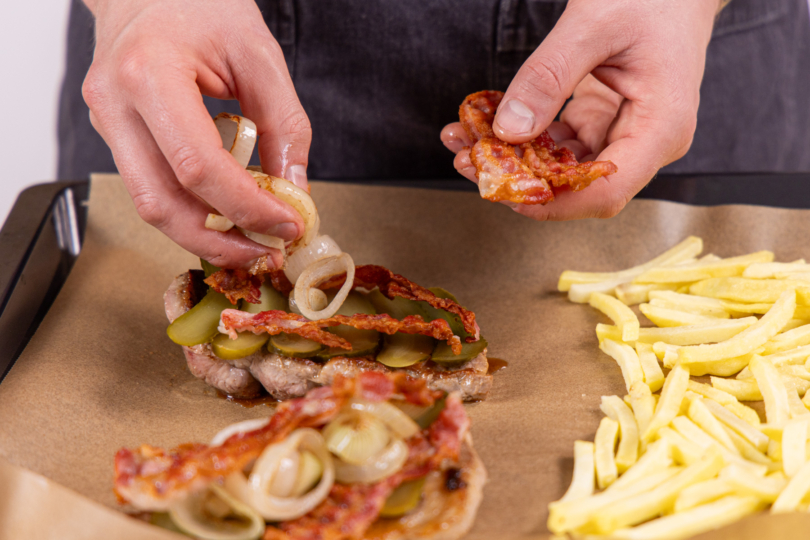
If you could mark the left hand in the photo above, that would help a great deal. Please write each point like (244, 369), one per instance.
(634, 69)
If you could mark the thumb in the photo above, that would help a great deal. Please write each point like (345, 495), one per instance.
(547, 79)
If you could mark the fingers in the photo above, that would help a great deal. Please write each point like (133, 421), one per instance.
(172, 108)
(454, 137)
(550, 75)
(464, 166)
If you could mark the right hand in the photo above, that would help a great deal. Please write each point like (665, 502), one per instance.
(153, 61)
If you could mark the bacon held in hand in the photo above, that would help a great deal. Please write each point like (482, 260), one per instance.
(528, 174)
(279, 322)
(236, 285)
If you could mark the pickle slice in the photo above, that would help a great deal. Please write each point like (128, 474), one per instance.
(199, 324)
(403, 499)
(398, 308)
(435, 313)
(426, 419)
(295, 345)
(443, 354)
(363, 342)
(208, 268)
(245, 344)
(270, 299)
(401, 350)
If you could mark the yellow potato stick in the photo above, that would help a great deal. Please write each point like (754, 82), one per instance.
(769, 270)
(571, 515)
(684, 451)
(627, 359)
(705, 390)
(775, 450)
(670, 402)
(627, 452)
(794, 445)
(702, 493)
(751, 291)
(744, 374)
(794, 371)
(645, 506)
(621, 315)
(689, 248)
(747, 340)
(774, 392)
(797, 408)
(665, 317)
(711, 332)
(693, 433)
(747, 414)
(653, 375)
(700, 415)
(744, 390)
(643, 404)
(687, 302)
(765, 488)
(723, 368)
(695, 521)
(580, 293)
(738, 308)
(748, 451)
(758, 439)
(632, 293)
(773, 432)
(796, 490)
(733, 266)
(796, 322)
(656, 458)
(695, 310)
(582, 483)
(605, 442)
(806, 399)
(791, 339)
(795, 356)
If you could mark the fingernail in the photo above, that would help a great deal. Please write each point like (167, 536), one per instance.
(297, 174)
(515, 117)
(455, 145)
(286, 231)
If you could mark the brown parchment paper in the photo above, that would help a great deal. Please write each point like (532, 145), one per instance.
(101, 374)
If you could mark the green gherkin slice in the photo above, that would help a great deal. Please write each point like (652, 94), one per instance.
(443, 354)
(435, 313)
(402, 350)
(295, 345)
(270, 299)
(199, 324)
(363, 342)
(245, 344)
(208, 268)
(403, 499)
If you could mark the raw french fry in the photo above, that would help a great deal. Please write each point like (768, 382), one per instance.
(723, 398)
(627, 452)
(605, 442)
(571, 515)
(794, 371)
(582, 483)
(722, 368)
(774, 392)
(700, 415)
(744, 429)
(775, 450)
(744, 390)
(643, 404)
(632, 293)
(621, 315)
(795, 322)
(693, 433)
(702, 493)
(795, 356)
(744, 374)
(733, 266)
(710, 332)
(684, 451)
(670, 402)
(690, 247)
(765, 488)
(627, 359)
(748, 451)
(665, 317)
(769, 270)
(656, 458)
(697, 520)
(739, 308)
(647, 505)
(711, 307)
(794, 445)
(791, 339)
(747, 340)
(797, 408)
(746, 414)
(752, 291)
(653, 375)
(792, 495)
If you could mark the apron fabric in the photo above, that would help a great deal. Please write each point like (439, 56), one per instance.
(380, 79)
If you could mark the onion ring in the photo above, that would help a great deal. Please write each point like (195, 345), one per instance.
(315, 274)
(376, 468)
(238, 136)
(215, 222)
(319, 248)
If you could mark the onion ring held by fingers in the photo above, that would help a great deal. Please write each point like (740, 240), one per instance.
(317, 273)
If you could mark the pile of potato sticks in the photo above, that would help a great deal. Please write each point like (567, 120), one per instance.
(695, 458)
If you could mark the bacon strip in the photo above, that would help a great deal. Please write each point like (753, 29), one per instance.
(152, 478)
(390, 284)
(279, 322)
(504, 175)
(236, 284)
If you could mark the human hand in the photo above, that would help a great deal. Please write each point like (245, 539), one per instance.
(634, 69)
(154, 59)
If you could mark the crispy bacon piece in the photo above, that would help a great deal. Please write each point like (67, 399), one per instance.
(152, 478)
(521, 177)
(390, 284)
(236, 284)
(279, 322)
(280, 282)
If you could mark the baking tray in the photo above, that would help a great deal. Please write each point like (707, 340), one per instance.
(42, 236)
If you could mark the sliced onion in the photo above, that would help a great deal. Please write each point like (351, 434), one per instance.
(219, 223)
(356, 436)
(397, 421)
(296, 197)
(239, 427)
(238, 136)
(317, 273)
(210, 515)
(376, 468)
(255, 490)
(413, 411)
(317, 301)
(286, 475)
(319, 248)
(264, 239)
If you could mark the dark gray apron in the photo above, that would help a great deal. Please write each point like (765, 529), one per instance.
(379, 79)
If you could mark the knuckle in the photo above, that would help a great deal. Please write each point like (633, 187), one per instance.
(297, 125)
(93, 89)
(189, 167)
(133, 67)
(151, 210)
(613, 205)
